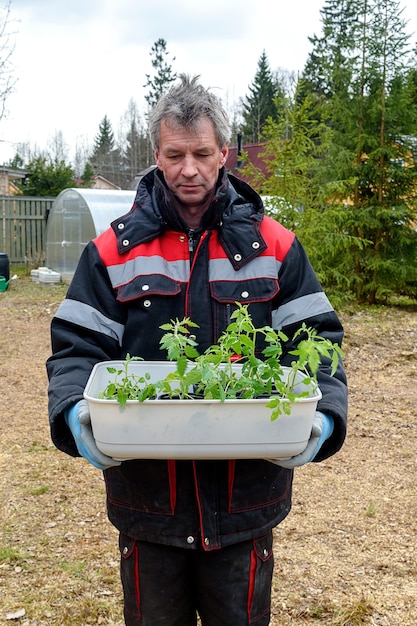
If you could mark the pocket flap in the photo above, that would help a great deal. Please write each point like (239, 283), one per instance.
(146, 286)
(126, 546)
(244, 291)
(263, 547)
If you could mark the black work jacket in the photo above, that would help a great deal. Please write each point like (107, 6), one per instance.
(148, 268)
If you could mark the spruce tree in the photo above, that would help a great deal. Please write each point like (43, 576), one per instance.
(361, 84)
(259, 104)
(87, 176)
(106, 158)
(164, 74)
(104, 140)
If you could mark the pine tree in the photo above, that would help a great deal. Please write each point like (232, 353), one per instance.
(87, 175)
(164, 75)
(106, 158)
(259, 104)
(104, 140)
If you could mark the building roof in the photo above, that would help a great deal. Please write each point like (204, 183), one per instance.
(12, 173)
(254, 152)
(135, 182)
(8, 177)
(99, 182)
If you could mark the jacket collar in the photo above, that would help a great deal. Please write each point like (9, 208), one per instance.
(236, 212)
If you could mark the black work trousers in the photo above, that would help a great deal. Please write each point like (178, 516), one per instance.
(169, 586)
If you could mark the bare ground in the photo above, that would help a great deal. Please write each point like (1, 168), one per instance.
(345, 556)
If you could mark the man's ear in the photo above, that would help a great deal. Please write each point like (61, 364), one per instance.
(157, 159)
(223, 155)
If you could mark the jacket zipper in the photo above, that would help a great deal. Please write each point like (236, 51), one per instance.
(190, 240)
(193, 246)
(194, 242)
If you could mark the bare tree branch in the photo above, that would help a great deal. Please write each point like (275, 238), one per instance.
(7, 46)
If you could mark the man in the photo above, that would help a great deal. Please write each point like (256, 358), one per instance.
(195, 536)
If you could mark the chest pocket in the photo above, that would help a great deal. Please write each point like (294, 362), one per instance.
(245, 291)
(257, 293)
(146, 287)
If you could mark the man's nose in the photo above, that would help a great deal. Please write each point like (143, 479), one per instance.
(189, 166)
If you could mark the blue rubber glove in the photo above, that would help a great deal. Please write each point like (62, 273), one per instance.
(321, 430)
(79, 423)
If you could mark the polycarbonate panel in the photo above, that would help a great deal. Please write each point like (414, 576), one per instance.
(76, 217)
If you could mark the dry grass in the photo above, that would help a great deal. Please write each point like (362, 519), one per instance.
(345, 556)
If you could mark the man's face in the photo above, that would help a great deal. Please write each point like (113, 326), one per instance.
(190, 162)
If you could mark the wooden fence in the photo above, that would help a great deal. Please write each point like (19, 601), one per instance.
(23, 228)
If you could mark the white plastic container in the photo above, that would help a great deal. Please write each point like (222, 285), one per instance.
(193, 429)
(35, 273)
(48, 276)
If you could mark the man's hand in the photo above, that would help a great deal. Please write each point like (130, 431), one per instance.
(79, 423)
(321, 430)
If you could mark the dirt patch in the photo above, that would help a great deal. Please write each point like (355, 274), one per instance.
(345, 556)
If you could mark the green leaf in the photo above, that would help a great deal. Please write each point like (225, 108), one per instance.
(193, 377)
(181, 365)
(191, 352)
(121, 397)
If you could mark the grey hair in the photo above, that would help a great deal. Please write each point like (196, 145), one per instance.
(185, 105)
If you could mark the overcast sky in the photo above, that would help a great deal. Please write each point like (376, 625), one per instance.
(79, 60)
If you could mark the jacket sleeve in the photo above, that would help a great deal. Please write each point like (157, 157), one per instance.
(301, 299)
(87, 328)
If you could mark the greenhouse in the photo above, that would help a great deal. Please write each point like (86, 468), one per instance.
(76, 217)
